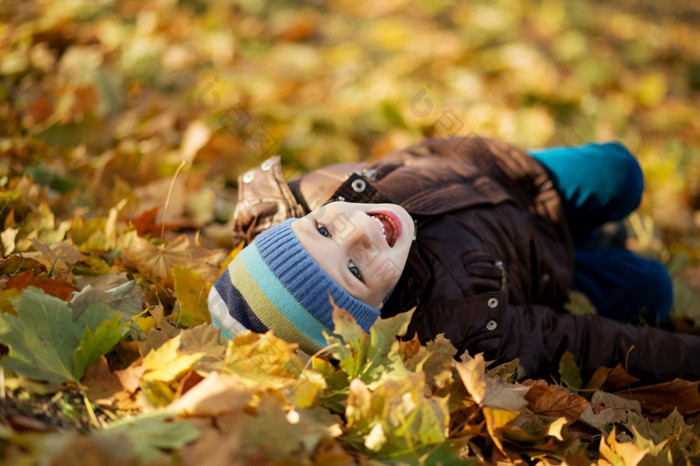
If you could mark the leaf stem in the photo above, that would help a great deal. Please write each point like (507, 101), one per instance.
(91, 414)
(167, 200)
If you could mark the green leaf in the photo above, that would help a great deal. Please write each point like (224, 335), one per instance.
(569, 371)
(43, 337)
(151, 432)
(369, 356)
(94, 344)
(397, 416)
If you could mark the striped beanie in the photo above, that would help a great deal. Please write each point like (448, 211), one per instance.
(275, 284)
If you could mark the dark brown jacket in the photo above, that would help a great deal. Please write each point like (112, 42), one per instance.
(492, 264)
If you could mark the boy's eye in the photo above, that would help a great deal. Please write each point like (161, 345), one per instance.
(354, 270)
(323, 230)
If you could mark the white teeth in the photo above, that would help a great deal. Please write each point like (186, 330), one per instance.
(381, 225)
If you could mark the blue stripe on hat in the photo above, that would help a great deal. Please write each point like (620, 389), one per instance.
(301, 318)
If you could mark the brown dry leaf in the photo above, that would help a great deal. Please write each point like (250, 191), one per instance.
(598, 378)
(611, 379)
(213, 447)
(156, 262)
(217, 394)
(599, 418)
(101, 383)
(130, 378)
(155, 338)
(663, 398)
(620, 405)
(63, 251)
(95, 450)
(549, 400)
(16, 264)
(51, 286)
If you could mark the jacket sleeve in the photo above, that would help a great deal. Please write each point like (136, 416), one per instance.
(539, 336)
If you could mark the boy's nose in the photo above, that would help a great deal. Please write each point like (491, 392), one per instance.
(361, 233)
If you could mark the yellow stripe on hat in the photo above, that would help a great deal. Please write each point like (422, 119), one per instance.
(269, 314)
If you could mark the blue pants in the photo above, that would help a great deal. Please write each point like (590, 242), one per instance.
(599, 183)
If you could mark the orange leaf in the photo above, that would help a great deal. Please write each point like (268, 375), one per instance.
(58, 288)
(148, 224)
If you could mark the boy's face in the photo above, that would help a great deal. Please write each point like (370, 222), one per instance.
(363, 247)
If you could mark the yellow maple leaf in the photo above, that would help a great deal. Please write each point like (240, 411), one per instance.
(191, 291)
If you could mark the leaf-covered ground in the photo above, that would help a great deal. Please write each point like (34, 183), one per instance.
(123, 127)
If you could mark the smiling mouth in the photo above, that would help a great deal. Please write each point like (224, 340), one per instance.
(387, 226)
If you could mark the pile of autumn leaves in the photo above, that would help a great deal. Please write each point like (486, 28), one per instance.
(158, 384)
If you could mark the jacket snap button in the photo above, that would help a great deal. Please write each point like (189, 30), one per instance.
(267, 164)
(546, 277)
(358, 186)
(248, 176)
(493, 302)
(491, 325)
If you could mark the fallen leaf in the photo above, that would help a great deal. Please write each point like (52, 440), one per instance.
(148, 225)
(151, 432)
(64, 251)
(217, 394)
(5, 303)
(663, 398)
(43, 337)
(569, 371)
(191, 291)
(130, 377)
(101, 384)
(166, 363)
(51, 286)
(435, 358)
(496, 420)
(618, 404)
(610, 379)
(156, 262)
(488, 391)
(623, 453)
(90, 450)
(124, 298)
(95, 343)
(550, 400)
(16, 264)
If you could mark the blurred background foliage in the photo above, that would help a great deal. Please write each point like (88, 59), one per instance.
(101, 100)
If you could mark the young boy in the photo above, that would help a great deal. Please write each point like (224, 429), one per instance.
(485, 240)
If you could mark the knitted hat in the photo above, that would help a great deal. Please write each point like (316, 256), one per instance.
(275, 284)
